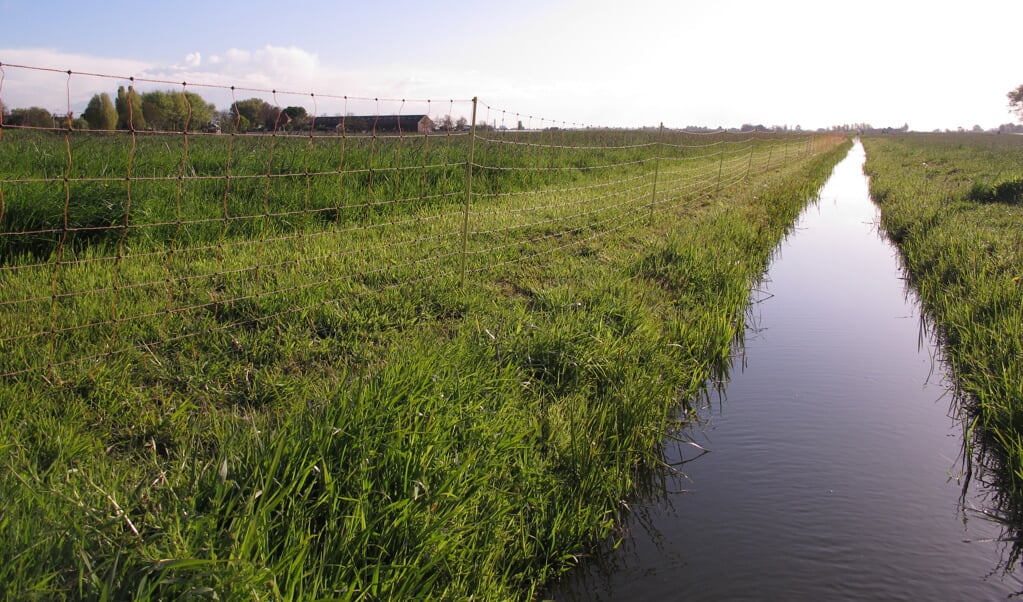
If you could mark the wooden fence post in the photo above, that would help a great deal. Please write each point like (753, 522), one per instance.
(468, 188)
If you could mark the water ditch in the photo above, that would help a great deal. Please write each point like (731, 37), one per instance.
(833, 466)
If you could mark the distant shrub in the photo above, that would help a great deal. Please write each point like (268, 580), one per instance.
(1010, 191)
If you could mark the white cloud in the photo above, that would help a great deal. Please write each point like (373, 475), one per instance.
(591, 61)
(234, 55)
(270, 64)
(783, 84)
(38, 77)
(44, 79)
(252, 73)
(300, 78)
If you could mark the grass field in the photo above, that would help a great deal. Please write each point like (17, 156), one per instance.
(954, 206)
(285, 368)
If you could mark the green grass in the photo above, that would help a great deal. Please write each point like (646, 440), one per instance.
(257, 402)
(952, 204)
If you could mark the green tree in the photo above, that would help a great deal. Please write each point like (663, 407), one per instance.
(129, 109)
(256, 111)
(1016, 101)
(298, 116)
(176, 111)
(100, 114)
(158, 109)
(31, 117)
(196, 110)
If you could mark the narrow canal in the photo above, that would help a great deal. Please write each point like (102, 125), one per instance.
(833, 463)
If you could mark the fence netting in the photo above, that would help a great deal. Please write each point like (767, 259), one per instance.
(164, 219)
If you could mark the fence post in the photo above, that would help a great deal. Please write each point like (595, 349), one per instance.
(657, 166)
(752, 149)
(468, 187)
(721, 164)
(770, 151)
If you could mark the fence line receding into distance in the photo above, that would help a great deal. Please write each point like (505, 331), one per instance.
(121, 239)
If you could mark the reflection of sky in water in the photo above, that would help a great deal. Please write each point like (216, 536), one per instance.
(831, 453)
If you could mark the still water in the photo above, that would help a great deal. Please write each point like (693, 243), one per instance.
(833, 470)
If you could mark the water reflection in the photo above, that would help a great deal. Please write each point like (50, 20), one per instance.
(986, 492)
(986, 484)
(835, 466)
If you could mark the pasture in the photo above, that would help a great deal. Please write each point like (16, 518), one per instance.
(359, 367)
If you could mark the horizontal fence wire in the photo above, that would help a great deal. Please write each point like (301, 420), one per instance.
(167, 221)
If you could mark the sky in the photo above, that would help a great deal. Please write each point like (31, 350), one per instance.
(931, 64)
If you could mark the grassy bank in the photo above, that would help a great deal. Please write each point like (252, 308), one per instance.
(954, 206)
(228, 417)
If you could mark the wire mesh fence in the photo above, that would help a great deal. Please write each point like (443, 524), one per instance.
(165, 221)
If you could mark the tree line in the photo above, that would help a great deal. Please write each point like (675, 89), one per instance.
(161, 110)
(167, 110)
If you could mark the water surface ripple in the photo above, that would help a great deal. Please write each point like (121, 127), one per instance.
(833, 471)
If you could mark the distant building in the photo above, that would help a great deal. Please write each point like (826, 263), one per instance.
(379, 124)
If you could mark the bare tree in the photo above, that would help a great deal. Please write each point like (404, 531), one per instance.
(445, 123)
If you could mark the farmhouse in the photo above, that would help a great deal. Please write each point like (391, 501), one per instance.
(379, 124)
